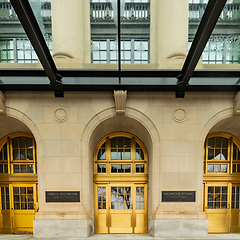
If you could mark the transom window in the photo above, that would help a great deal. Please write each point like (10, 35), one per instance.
(222, 154)
(17, 154)
(123, 154)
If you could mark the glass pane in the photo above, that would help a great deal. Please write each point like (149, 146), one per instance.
(99, 169)
(127, 143)
(113, 168)
(113, 154)
(1, 168)
(22, 154)
(15, 154)
(16, 205)
(22, 190)
(22, 142)
(30, 190)
(30, 168)
(23, 205)
(113, 205)
(103, 168)
(29, 142)
(23, 168)
(211, 143)
(238, 167)
(210, 154)
(217, 168)
(234, 168)
(120, 154)
(224, 168)
(137, 168)
(224, 155)
(210, 168)
(15, 142)
(120, 168)
(30, 206)
(128, 154)
(16, 198)
(113, 142)
(218, 142)
(224, 143)
(127, 168)
(16, 168)
(120, 142)
(6, 168)
(30, 154)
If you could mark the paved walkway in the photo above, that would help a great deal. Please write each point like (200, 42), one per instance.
(120, 236)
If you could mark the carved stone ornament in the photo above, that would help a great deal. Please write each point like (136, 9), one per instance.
(60, 115)
(179, 115)
(120, 101)
(236, 104)
(2, 103)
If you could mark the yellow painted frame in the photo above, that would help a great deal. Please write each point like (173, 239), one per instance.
(222, 179)
(11, 179)
(109, 179)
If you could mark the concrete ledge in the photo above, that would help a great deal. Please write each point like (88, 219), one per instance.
(178, 228)
(63, 228)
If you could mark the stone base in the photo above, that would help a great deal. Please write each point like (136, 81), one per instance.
(178, 228)
(63, 228)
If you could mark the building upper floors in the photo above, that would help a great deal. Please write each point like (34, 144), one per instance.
(135, 25)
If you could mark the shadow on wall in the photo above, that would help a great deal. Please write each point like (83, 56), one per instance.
(10, 125)
(229, 125)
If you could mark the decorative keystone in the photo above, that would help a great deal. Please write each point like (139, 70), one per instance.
(2, 103)
(236, 104)
(120, 101)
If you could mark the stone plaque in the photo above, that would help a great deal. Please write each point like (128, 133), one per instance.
(178, 196)
(56, 196)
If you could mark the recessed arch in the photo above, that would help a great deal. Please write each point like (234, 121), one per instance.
(107, 122)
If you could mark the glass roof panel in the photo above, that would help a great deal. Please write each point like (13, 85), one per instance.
(224, 43)
(15, 46)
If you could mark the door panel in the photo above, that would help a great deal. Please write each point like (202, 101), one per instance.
(235, 224)
(122, 210)
(217, 207)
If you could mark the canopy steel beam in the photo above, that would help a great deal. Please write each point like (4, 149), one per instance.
(31, 27)
(207, 24)
(107, 80)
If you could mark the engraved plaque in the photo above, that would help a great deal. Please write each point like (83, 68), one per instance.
(178, 196)
(64, 196)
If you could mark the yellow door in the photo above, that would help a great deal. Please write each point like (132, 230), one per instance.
(23, 207)
(6, 220)
(121, 208)
(217, 207)
(235, 221)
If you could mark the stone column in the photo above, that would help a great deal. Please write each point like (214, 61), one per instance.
(169, 29)
(71, 29)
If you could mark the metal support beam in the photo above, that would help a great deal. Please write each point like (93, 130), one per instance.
(207, 24)
(32, 29)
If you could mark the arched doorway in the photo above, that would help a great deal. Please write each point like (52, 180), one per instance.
(222, 182)
(18, 182)
(120, 184)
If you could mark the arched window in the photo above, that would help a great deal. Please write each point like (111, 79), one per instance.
(121, 153)
(222, 154)
(18, 154)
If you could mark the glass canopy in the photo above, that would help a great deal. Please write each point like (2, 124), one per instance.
(120, 40)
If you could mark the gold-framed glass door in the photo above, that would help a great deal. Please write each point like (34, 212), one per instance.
(18, 183)
(217, 207)
(221, 180)
(120, 177)
(121, 208)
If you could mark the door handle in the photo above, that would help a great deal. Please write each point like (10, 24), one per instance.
(228, 206)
